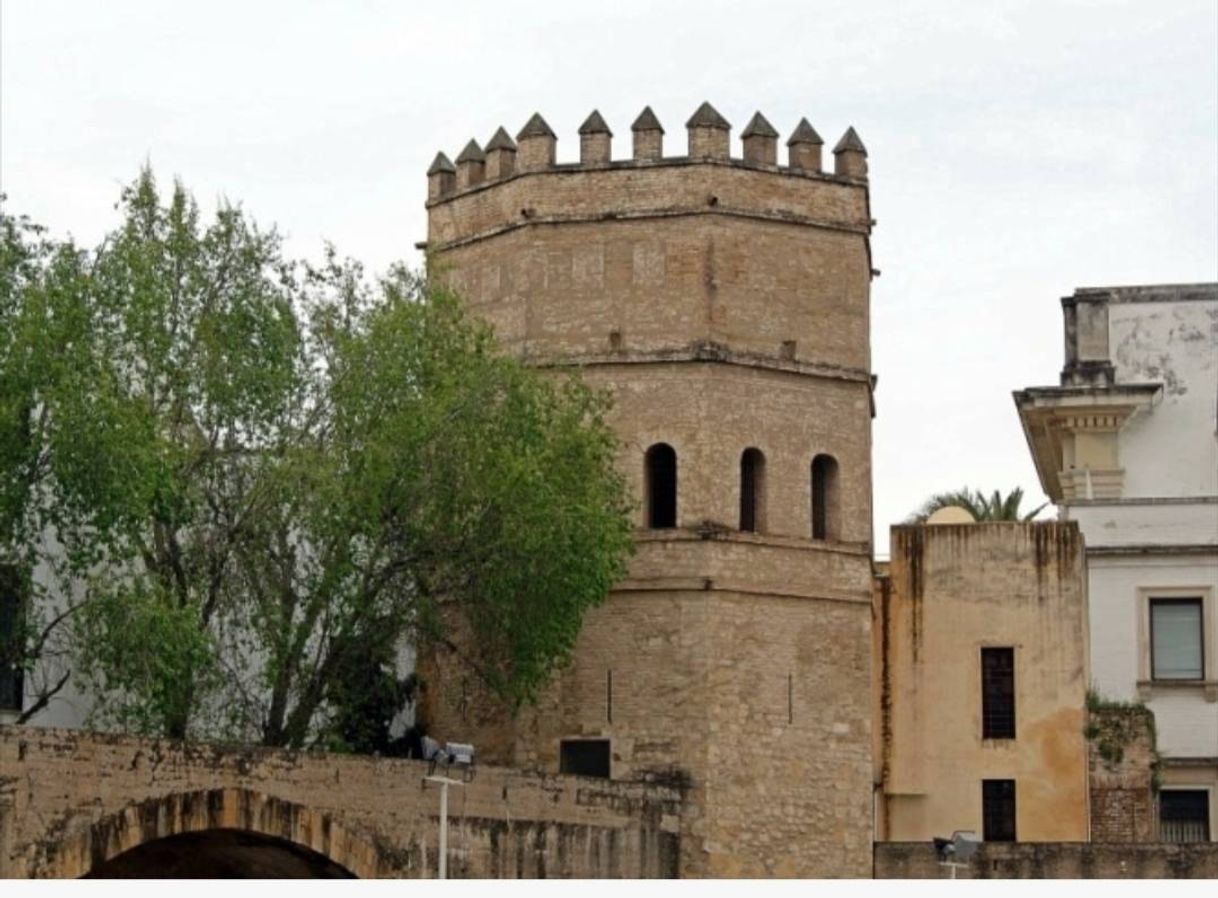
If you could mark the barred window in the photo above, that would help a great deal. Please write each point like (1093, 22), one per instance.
(998, 810)
(1184, 815)
(997, 693)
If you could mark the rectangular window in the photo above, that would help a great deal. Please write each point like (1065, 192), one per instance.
(585, 757)
(998, 810)
(997, 693)
(11, 680)
(1184, 815)
(1176, 651)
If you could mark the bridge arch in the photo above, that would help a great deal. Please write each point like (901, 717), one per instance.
(233, 810)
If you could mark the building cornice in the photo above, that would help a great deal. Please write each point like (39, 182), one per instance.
(575, 168)
(531, 221)
(1141, 500)
(1153, 549)
(1051, 416)
(700, 352)
(709, 530)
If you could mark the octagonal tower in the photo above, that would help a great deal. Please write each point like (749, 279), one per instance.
(724, 302)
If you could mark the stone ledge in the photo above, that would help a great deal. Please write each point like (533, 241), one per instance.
(533, 220)
(666, 162)
(704, 351)
(1054, 860)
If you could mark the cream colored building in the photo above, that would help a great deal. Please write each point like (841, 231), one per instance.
(1127, 446)
(980, 646)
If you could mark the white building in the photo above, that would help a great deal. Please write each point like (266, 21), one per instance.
(1128, 447)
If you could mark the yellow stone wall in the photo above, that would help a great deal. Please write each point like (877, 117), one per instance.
(952, 590)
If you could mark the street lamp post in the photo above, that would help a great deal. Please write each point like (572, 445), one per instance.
(444, 782)
(955, 853)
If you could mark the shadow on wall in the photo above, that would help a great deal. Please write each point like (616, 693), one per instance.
(219, 854)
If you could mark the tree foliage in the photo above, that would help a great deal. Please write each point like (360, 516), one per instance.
(994, 507)
(35, 342)
(267, 478)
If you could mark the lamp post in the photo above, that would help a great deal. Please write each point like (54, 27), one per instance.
(956, 852)
(454, 754)
(444, 782)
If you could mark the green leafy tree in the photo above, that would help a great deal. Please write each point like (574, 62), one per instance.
(994, 507)
(35, 339)
(270, 477)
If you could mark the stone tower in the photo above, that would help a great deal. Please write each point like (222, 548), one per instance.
(724, 302)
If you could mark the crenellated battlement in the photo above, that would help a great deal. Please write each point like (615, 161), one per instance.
(496, 189)
(709, 140)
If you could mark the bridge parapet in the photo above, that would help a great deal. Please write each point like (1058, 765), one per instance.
(72, 800)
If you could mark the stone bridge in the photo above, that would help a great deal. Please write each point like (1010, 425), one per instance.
(76, 804)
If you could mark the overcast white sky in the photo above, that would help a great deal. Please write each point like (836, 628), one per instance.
(1017, 150)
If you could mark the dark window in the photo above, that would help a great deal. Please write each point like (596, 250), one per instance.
(661, 474)
(998, 810)
(997, 693)
(1176, 651)
(585, 757)
(824, 497)
(1184, 815)
(752, 490)
(12, 684)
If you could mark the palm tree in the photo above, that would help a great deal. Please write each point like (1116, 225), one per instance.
(980, 506)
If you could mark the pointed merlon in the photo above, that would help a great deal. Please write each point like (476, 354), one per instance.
(850, 142)
(758, 127)
(647, 121)
(804, 133)
(472, 153)
(706, 116)
(594, 124)
(441, 164)
(536, 127)
(500, 140)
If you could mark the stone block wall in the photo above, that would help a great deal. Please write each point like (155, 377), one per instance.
(724, 305)
(1053, 860)
(71, 799)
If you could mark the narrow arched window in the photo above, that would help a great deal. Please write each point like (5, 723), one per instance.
(824, 497)
(660, 467)
(752, 491)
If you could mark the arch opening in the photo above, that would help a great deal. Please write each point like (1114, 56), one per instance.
(660, 468)
(825, 510)
(752, 491)
(247, 824)
(219, 854)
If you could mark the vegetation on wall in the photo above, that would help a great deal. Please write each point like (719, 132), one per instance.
(1113, 726)
(248, 482)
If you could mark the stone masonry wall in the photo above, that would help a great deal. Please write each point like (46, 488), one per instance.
(71, 799)
(1053, 860)
(724, 305)
(1121, 764)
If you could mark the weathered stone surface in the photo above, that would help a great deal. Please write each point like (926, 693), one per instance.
(70, 800)
(1121, 764)
(953, 590)
(1054, 860)
(725, 307)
